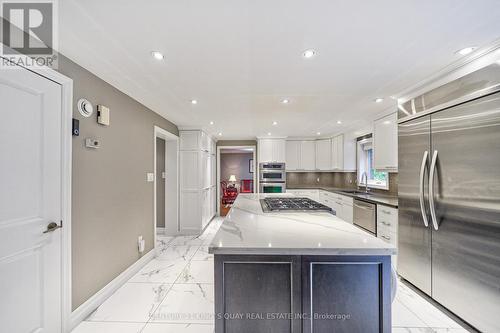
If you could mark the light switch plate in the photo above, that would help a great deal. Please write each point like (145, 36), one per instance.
(150, 177)
(103, 115)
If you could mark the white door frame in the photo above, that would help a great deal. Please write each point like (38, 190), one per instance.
(169, 139)
(66, 154)
(219, 148)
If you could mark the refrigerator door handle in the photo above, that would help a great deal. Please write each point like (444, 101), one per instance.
(431, 190)
(421, 192)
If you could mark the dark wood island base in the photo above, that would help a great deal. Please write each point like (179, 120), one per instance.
(302, 293)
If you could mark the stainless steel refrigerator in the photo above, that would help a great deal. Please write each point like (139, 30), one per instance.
(449, 196)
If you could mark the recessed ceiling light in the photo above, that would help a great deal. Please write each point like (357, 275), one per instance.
(466, 50)
(268, 133)
(379, 100)
(211, 123)
(193, 101)
(275, 123)
(157, 55)
(285, 101)
(220, 134)
(309, 53)
(339, 122)
(318, 133)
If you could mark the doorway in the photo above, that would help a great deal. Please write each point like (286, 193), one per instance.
(166, 183)
(236, 173)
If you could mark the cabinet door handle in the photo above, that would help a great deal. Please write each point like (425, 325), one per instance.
(385, 223)
(385, 237)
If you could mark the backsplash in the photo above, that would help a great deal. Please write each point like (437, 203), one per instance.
(345, 180)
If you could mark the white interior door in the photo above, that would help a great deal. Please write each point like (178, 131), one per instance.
(30, 198)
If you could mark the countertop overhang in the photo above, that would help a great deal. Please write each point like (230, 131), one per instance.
(248, 230)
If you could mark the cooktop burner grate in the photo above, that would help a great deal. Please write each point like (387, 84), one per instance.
(292, 204)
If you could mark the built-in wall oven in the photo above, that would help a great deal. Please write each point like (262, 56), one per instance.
(272, 178)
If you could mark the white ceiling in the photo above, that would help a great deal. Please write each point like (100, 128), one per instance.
(239, 59)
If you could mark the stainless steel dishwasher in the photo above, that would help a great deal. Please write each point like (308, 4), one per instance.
(365, 215)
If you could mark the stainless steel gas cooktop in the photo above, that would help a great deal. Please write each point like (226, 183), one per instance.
(292, 204)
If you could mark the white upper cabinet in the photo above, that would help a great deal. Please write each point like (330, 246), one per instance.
(213, 147)
(385, 143)
(324, 154)
(205, 141)
(189, 140)
(292, 156)
(338, 152)
(271, 150)
(279, 150)
(196, 140)
(300, 155)
(343, 153)
(308, 155)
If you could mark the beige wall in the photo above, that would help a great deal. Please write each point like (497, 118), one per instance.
(112, 203)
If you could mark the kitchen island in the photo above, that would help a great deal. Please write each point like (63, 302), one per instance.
(298, 272)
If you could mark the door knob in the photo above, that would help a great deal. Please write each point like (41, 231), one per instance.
(51, 227)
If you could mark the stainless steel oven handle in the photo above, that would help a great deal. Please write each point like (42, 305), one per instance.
(432, 206)
(421, 184)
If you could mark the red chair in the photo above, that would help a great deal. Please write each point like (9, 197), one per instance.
(246, 186)
(229, 194)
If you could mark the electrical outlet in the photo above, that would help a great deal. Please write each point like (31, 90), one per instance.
(150, 177)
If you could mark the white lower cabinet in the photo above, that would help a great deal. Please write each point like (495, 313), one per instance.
(387, 227)
(341, 204)
(206, 207)
(345, 204)
(190, 213)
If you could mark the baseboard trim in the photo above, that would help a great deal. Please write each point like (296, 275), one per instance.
(160, 230)
(84, 310)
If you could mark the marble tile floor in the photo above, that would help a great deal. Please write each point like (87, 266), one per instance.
(174, 294)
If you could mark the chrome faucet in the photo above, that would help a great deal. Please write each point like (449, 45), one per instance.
(365, 175)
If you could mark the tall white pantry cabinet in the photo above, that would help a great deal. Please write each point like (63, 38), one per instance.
(197, 181)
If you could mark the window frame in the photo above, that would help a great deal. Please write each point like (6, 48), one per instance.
(360, 150)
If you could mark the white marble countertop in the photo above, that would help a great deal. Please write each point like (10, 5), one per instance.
(248, 230)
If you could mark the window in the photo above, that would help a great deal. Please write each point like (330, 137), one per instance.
(376, 179)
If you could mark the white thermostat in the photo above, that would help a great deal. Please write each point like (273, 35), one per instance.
(85, 107)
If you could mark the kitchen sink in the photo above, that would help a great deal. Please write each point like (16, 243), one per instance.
(355, 192)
